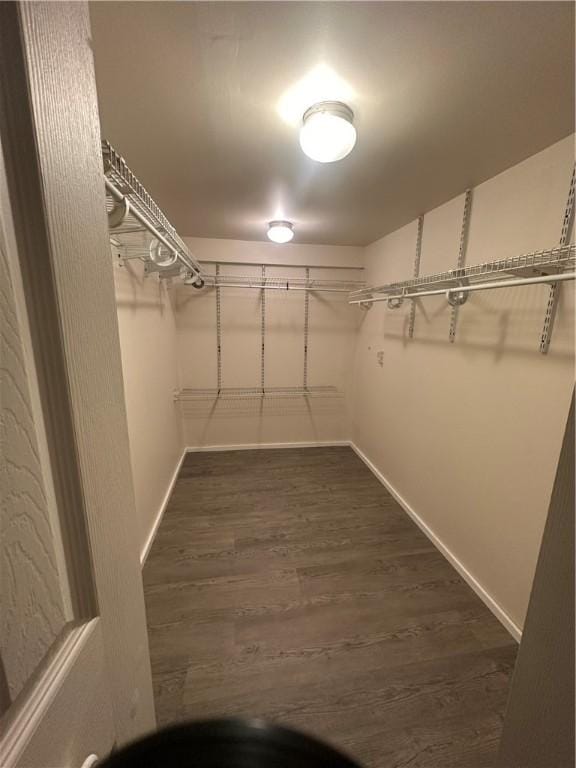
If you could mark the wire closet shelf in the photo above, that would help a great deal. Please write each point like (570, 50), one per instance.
(551, 266)
(138, 228)
(545, 266)
(282, 283)
(255, 393)
(263, 282)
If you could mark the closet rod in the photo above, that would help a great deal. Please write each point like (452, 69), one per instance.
(119, 197)
(469, 288)
(271, 264)
(277, 287)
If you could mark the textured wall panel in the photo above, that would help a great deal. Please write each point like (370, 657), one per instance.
(32, 612)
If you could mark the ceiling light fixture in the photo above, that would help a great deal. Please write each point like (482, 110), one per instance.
(280, 231)
(328, 132)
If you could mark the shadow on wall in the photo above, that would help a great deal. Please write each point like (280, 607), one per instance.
(485, 324)
(136, 291)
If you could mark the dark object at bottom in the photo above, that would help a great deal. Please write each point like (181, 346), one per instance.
(233, 743)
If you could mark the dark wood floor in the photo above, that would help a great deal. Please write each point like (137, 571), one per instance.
(288, 584)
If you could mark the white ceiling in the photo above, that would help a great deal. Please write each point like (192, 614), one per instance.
(204, 102)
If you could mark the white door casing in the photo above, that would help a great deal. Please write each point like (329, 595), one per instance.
(87, 683)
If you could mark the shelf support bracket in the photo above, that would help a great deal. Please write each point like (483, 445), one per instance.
(306, 327)
(263, 329)
(395, 302)
(416, 273)
(118, 213)
(554, 293)
(218, 334)
(461, 259)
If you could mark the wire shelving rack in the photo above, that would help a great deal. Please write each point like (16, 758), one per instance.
(282, 283)
(255, 393)
(551, 266)
(263, 281)
(518, 270)
(138, 227)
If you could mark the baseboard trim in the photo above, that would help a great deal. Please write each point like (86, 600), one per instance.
(486, 598)
(160, 514)
(267, 446)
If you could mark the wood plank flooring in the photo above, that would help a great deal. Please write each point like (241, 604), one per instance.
(288, 584)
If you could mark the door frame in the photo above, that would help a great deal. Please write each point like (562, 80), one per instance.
(50, 136)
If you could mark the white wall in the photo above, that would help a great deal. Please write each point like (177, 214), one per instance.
(469, 433)
(332, 328)
(149, 364)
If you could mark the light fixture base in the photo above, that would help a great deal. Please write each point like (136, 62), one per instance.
(336, 108)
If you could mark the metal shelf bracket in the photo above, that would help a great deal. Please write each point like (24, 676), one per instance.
(457, 299)
(554, 293)
(415, 273)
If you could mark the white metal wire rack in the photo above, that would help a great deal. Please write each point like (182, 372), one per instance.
(539, 266)
(286, 281)
(282, 283)
(551, 266)
(262, 280)
(138, 228)
(255, 393)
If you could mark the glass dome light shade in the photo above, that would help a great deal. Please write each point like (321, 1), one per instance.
(280, 231)
(328, 132)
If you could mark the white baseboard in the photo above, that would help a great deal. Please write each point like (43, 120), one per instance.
(160, 514)
(267, 446)
(486, 598)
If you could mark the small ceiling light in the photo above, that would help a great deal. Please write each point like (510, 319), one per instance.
(280, 231)
(328, 132)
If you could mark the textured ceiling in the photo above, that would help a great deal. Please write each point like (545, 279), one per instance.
(204, 100)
